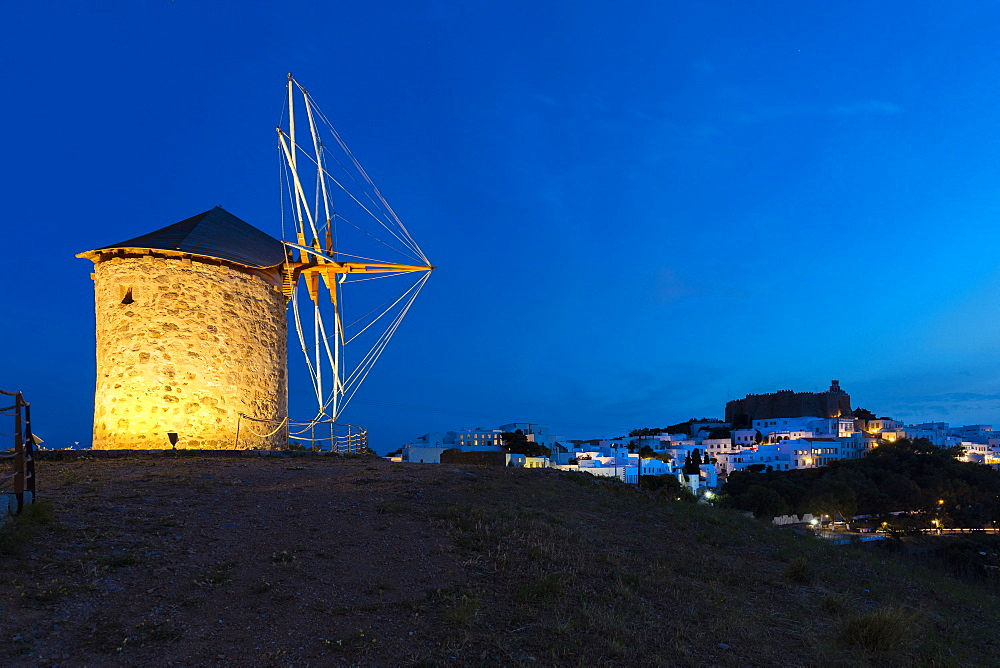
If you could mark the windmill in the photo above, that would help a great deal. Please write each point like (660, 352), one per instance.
(193, 318)
(339, 233)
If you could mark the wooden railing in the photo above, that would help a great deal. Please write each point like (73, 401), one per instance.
(319, 435)
(17, 475)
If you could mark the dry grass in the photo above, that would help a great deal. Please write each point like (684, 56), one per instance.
(885, 631)
(798, 570)
(185, 560)
(16, 532)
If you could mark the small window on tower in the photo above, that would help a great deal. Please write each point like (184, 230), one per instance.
(127, 295)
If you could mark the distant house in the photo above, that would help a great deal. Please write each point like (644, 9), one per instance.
(524, 461)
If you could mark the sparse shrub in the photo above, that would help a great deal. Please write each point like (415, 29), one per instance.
(548, 586)
(39, 513)
(799, 571)
(218, 575)
(463, 612)
(20, 529)
(391, 506)
(880, 631)
(72, 478)
(283, 557)
(835, 604)
(584, 479)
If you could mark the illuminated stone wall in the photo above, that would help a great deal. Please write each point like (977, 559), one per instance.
(185, 346)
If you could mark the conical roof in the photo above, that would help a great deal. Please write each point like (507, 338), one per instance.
(215, 233)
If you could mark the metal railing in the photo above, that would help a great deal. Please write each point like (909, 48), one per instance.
(316, 435)
(18, 474)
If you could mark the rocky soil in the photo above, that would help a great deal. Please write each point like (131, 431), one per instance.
(248, 561)
(314, 561)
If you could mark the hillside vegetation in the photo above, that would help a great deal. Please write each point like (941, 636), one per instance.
(912, 476)
(330, 561)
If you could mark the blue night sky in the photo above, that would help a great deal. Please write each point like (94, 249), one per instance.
(639, 210)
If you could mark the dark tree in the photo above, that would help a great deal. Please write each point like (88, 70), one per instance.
(647, 431)
(681, 428)
(692, 463)
(833, 498)
(864, 414)
(517, 443)
(764, 502)
(900, 476)
(656, 482)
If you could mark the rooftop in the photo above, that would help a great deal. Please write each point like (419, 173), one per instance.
(216, 233)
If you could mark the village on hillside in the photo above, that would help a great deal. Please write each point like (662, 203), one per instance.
(780, 431)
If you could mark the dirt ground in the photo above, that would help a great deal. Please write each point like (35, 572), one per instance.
(249, 561)
(199, 560)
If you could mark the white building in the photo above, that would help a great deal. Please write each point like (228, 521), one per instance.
(773, 454)
(715, 446)
(935, 432)
(978, 433)
(768, 425)
(477, 437)
(427, 449)
(523, 461)
(802, 427)
(812, 452)
(744, 438)
(882, 424)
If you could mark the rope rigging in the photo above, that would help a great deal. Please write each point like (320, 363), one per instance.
(338, 242)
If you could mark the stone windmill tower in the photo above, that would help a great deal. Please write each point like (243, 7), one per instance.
(191, 332)
(193, 319)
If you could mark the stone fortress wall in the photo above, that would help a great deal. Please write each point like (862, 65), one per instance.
(185, 345)
(786, 403)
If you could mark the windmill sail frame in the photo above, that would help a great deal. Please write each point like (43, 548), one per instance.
(344, 233)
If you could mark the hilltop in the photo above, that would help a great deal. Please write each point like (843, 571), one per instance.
(319, 560)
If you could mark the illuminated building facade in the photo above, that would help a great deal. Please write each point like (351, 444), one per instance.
(191, 333)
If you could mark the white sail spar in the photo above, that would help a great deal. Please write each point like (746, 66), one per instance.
(353, 270)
